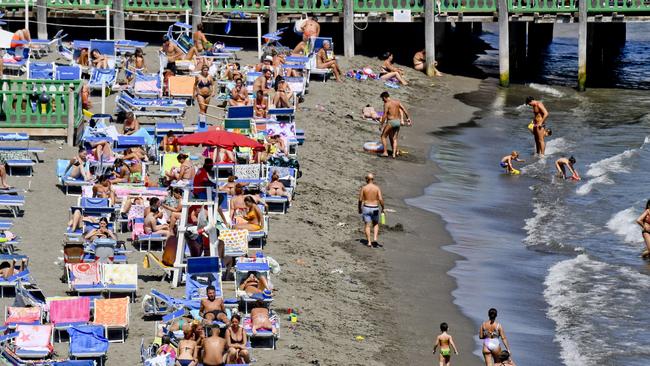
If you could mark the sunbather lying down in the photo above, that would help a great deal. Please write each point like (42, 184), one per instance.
(260, 318)
(254, 283)
(9, 268)
(276, 188)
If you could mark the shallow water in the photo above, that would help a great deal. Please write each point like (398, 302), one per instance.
(559, 259)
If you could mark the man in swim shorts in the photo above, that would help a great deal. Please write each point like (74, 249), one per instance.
(394, 116)
(213, 308)
(540, 114)
(370, 199)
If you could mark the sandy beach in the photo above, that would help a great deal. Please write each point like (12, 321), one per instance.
(394, 296)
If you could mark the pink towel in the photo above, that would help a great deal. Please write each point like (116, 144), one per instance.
(146, 85)
(70, 310)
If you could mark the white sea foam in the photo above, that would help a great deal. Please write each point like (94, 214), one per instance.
(614, 164)
(557, 145)
(589, 301)
(589, 185)
(623, 223)
(546, 90)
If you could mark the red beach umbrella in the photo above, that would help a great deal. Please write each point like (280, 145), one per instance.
(219, 138)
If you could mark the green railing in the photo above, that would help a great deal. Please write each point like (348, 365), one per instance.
(620, 6)
(467, 6)
(79, 4)
(310, 6)
(387, 6)
(157, 5)
(542, 6)
(15, 3)
(19, 107)
(227, 6)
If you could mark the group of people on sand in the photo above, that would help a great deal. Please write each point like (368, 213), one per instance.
(564, 166)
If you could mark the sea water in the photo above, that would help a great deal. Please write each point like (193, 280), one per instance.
(559, 259)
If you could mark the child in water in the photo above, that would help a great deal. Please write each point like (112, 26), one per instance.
(562, 163)
(506, 162)
(444, 341)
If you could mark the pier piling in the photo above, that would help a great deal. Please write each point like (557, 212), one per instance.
(504, 46)
(348, 28)
(430, 37)
(273, 16)
(41, 19)
(582, 45)
(118, 20)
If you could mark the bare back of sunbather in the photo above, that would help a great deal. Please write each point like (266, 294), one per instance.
(261, 320)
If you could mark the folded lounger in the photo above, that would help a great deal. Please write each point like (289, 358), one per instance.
(13, 203)
(168, 270)
(113, 315)
(150, 107)
(158, 303)
(88, 341)
(68, 312)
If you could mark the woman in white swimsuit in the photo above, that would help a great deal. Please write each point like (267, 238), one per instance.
(490, 332)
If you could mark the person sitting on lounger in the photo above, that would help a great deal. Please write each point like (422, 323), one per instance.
(84, 57)
(77, 166)
(262, 82)
(276, 188)
(102, 150)
(236, 341)
(174, 205)
(214, 348)
(212, 308)
(102, 232)
(151, 225)
(200, 41)
(135, 171)
(238, 94)
(261, 105)
(254, 284)
(170, 143)
(121, 172)
(260, 318)
(265, 64)
(4, 184)
(325, 59)
(131, 124)
(98, 60)
(21, 38)
(300, 50)
(85, 96)
(203, 89)
(104, 189)
(230, 185)
(389, 70)
(174, 54)
(188, 350)
(9, 268)
(283, 94)
(253, 219)
(278, 145)
(233, 71)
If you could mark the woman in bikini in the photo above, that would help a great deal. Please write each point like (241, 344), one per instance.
(135, 65)
(187, 350)
(238, 94)
(200, 41)
(388, 70)
(254, 284)
(98, 60)
(131, 124)
(203, 89)
(121, 172)
(276, 188)
(283, 94)
(490, 332)
(76, 166)
(102, 232)
(261, 105)
(174, 206)
(170, 143)
(236, 340)
(253, 220)
(644, 222)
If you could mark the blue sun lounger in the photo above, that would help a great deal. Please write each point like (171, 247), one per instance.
(67, 181)
(147, 85)
(149, 107)
(103, 77)
(13, 203)
(41, 70)
(12, 281)
(67, 73)
(88, 341)
(202, 272)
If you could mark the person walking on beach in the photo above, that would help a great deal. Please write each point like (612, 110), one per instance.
(394, 116)
(370, 199)
(490, 332)
(445, 342)
(540, 114)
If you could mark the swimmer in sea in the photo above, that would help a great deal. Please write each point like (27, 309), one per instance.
(540, 114)
(444, 341)
(562, 164)
(506, 162)
(644, 222)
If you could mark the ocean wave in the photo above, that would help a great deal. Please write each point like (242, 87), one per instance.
(557, 145)
(589, 185)
(598, 309)
(613, 164)
(548, 219)
(546, 90)
(623, 223)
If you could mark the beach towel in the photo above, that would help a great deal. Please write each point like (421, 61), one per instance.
(120, 274)
(247, 171)
(72, 310)
(161, 360)
(235, 242)
(284, 129)
(112, 312)
(85, 339)
(181, 85)
(146, 86)
(23, 315)
(84, 273)
(34, 337)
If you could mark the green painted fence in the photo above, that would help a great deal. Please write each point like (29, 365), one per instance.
(620, 6)
(157, 5)
(79, 4)
(543, 6)
(17, 111)
(227, 6)
(467, 6)
(310, 6)
(387, 6)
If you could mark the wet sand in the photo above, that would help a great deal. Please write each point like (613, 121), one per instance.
(394, 296)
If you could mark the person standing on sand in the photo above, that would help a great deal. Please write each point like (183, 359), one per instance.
(444, 341)
(370, 199)
(540, 114)
(395, 115)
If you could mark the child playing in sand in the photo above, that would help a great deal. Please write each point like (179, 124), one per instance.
(506, 162)
(444, 341)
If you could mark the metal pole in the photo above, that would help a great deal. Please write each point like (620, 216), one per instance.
(259, 37)
(196, 13)
(71, 107)
(41, 19)
(273, 16)
(187, 16)
(582, 45)
(504, 51)
(430, 36)
(103, 96)
(26, 14)
(118, 20)
(348, 28)
(108, 23)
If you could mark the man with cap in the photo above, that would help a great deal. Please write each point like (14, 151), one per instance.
(265, 63)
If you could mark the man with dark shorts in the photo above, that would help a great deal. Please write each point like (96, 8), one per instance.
(370, 199)
(213, 349)
(540, 114)
(213, 308)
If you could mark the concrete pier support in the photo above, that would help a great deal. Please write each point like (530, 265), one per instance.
(118, 20)
(517, 33)
(348, 28)
(273, 16)
(582, 45)
(430, 36)
(196, 14)
(41, 18)
(504, 47)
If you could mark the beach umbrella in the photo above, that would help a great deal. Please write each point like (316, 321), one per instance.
(219, 138)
